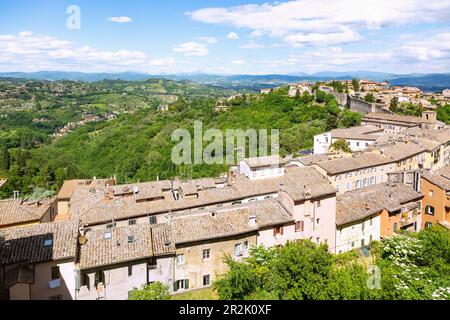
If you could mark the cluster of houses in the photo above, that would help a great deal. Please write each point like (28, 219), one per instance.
(87, 118)
(97, 240)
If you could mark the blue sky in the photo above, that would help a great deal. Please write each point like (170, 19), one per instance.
(235, 36)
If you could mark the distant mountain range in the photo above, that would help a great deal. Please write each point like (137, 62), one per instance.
(428, 82)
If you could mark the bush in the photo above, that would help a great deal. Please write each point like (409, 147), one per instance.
(152, 291)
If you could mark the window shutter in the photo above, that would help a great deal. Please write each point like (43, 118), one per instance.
(186, 284)
(175, 286)
(282, 230)
(302, 225)
(275, 232)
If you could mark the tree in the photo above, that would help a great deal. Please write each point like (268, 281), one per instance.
(152, 291)
(355, 84)
(321, 96)
(394, 104)
(238, 283)
(369, 98)
(6, 159)
(341, 145)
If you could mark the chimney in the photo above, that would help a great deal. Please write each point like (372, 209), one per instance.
(16, 194)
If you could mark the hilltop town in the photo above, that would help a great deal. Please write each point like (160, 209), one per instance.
(99, 239)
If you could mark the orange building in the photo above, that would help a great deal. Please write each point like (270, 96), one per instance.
(436, 202)
(402, 210)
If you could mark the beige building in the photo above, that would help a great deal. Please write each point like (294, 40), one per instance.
(369, 168)
(392, 123)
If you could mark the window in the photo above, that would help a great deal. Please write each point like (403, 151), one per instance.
(131, 239)
(395, 227)
(180, 259)
(111, 226)
(206, 254)
(206, 280)
(107, 235)
(181, 285)
(278, 231)
(317, 221)
(358, 184)
(353, 244)
(431, 193)
(238, 249)
(430, 210)
(373, 181)
(299, 226)
(246, 245)
(363, 244)
(428, 225)
(371, 221)
(132, 222)
(130, 271)
(363, 225)
(366, 182)
(85, 281)
(357, 144)
(347, 186)
(55, 273)
(152, 220)
(99, 277)
(337, 188)
(319, 204)
(48, 243)
(371, 238)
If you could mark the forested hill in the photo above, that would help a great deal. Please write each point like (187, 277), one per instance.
(136, 143)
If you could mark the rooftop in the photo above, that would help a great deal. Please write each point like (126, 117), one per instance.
(441, 177)
(16, 211)
(359, 132)
(268, 161)
(225, 223)
(382, 155)
(117, 245)
(361, 204)
(102, 205)
(393, 117)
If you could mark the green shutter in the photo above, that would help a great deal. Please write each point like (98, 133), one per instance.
(186, 284)
(175, 287)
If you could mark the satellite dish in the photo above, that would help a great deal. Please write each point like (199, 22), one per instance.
(82, 240)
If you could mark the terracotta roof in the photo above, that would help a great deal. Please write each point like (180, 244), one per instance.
(39, 243)
(392, 153)
(96, 207)
(441, 177)
(312, 159)
(13, 211)
(368, 133)
(360, 204)
(162, 239)
(117, 245)
(268, 161)
(69, 186)
(225, 223)
(393, 118)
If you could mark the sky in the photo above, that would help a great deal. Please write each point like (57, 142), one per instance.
(225, 37)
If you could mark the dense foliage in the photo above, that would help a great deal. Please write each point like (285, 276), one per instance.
(152, 291)
(137, 146)
(410, 266)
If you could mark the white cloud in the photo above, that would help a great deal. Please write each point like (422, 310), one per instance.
(210, 40)
(238, 62)
(232, 36)
(29, 52)
(300, 39)
(308, 19)
(191, 49)
(121, 19)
